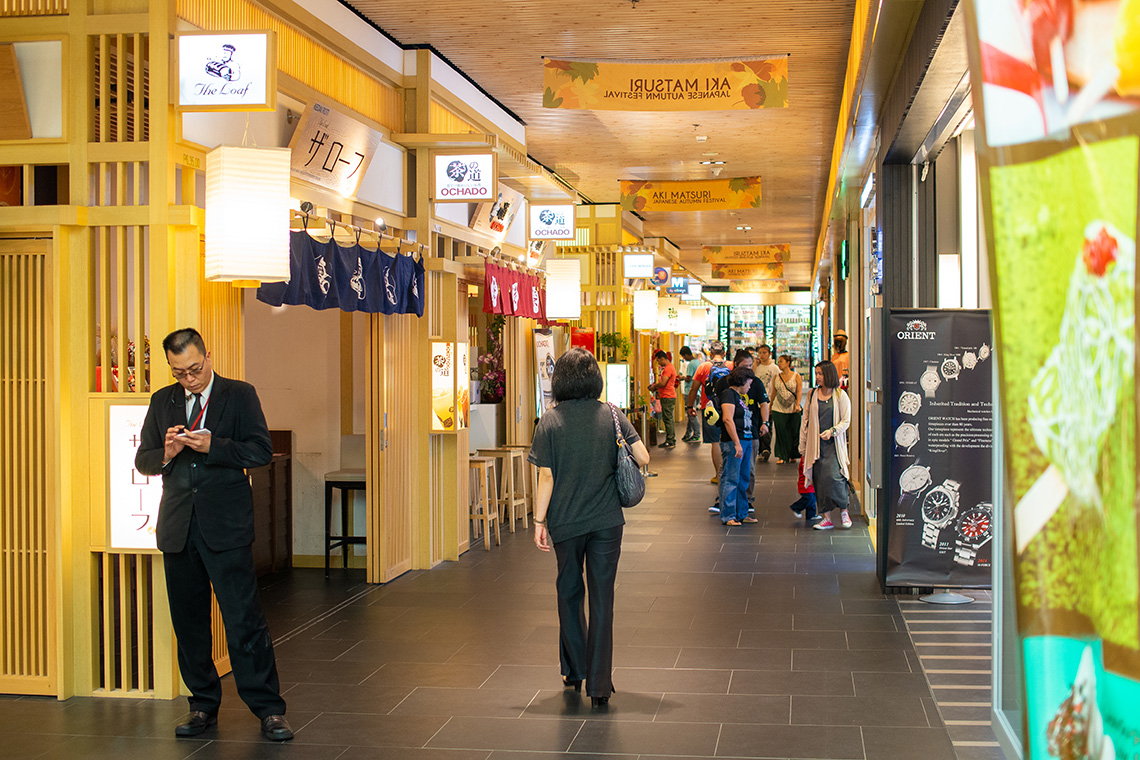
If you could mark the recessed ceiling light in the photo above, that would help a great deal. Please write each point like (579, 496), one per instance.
(743, 228)
(710, 155)
(702, 138)
(712, 163)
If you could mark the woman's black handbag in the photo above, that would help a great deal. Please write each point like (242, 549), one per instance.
(630, 481)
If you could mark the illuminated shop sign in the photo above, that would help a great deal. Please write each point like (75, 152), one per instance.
(134, 497)
(638, 265)
(332, 150)
(227, 71)
(549, 222)
(465, 177)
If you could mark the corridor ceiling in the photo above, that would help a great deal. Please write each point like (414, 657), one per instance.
(500, 44)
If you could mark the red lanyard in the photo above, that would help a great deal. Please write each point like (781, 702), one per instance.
(198, 419)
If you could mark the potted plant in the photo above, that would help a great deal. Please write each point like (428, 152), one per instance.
(615, 346)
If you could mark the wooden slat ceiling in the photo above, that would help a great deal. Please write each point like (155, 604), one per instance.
(501, 44)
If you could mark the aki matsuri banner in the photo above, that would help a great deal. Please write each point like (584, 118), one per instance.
(748, 271)
(1059, 162)
(746, 254)
(724, 84)
(940, 521)
(330, 276)
(690, 195)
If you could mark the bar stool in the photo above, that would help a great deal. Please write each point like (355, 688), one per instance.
(483, 507)
(512, 482)
(347, 481)
(530, 483)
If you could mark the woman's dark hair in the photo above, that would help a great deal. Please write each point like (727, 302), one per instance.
(740, 375)
(788, 358)
(830, 374)
(741, 355)
(576, 375)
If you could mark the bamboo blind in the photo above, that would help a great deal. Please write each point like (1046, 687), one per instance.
(122, 87)
(302, 58)
(125, 631)
(33, 8)
(443, 121)
(27, 651)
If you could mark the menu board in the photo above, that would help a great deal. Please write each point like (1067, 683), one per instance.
(443, 416)
(462, 386)
(134, 498)
(940, 522)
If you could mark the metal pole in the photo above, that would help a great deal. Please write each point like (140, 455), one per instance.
(645, 471)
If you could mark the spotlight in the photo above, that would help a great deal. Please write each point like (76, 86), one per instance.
(381, 225)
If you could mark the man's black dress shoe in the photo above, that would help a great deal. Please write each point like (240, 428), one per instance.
(196, 724)
(276, 729)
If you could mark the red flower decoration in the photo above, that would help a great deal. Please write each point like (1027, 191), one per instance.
(1099, 252)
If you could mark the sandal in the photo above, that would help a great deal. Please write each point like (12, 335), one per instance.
(749, 520)
(733, 523)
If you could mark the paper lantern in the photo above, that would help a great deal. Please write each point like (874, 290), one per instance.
(247, 214)
(669, 315)
(645, 310)
(697, 319)
(563, 289)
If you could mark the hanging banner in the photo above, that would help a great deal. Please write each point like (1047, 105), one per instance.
(544, 358)
(494, 218)
(746, 254)
(712, 85)
(759, 286)
(332, 150)
(748, 271)
(1059, 160)
(226, 71)
(354, 278)
(492, 289)
(690, 195)
(939, 532)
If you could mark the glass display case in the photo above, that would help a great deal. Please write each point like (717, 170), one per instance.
(792, 334)
(746, 327)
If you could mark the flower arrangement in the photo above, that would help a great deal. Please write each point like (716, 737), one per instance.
(493, 377)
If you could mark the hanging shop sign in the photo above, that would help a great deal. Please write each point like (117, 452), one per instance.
(1058, 158)
(637, 265)
(678, 285)
(672, 317)
(690, 195)
(660, 276)
(645, 309)
(444, 416)
(226, 71)
(332, 150)
(564, 289)
(494, 218)
(134, 498)
(465, 177)
(745, 254)
(693, 292)
(331, 276)
(710, 85)
(759, 286)
(748, 271)
(941, 410)
(544, 358)
(551, 222)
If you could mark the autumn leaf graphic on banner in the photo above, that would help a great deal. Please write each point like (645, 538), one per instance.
(748, 190)
(690, 195)
(708, 85)
(745, 254)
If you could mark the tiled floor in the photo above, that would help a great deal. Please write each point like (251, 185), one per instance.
(764, 641)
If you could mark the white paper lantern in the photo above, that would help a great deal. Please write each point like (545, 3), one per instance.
(247, 214)
(669, 315)
(645, 310)
(697, 319)
(564, 289)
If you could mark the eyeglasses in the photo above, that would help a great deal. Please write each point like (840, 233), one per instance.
(194, 371)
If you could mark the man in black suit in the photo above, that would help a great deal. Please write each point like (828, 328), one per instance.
(200, 434)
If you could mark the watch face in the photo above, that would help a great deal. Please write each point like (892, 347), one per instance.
(914, 478)
(929, 380)
(906, 434)
(976, 524)
(938, 506)
(950, 369)
(969, 360)
(984, 352)
(910, 402)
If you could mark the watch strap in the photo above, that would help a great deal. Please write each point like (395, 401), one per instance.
(964, 555)
(930, 535)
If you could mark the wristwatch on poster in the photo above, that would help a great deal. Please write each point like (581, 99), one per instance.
(930, 380)
(939, 508)
(969, 360)
(975, 529)
(906, 435)
(912, 482)
(910, 402)
(984, 352)
(951, 368)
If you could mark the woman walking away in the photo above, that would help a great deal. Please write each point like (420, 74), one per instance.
(736, 447)
(823, 442)
(578, 511)
(786, 409)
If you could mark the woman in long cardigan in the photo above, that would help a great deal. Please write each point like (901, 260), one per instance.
(823, 443)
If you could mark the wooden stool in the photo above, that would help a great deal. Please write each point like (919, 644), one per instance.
(484, 506)
(347, 481)
(530, 484)
(512, 482)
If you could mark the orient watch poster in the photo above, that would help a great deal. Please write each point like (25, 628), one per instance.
(940, 524)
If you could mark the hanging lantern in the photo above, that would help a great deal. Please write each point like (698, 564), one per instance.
(247, 214)
(697, 317)
(645, 310)
(669, 315)
(563, 289)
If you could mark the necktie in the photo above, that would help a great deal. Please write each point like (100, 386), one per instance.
(195, 411)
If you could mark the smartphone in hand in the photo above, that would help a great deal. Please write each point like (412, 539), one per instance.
(184, 433)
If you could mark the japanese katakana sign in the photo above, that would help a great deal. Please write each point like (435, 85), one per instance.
(332, 150)
(134, 497)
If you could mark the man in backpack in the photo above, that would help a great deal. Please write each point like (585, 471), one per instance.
(757, 400)
(717, 368)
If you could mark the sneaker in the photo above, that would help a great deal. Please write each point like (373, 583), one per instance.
(751, 508)
(824, 524)
(714, 510)
(714, 480)
(764, 455)
(845, 519)
(799, 515)
(668, 446)
(814, 521)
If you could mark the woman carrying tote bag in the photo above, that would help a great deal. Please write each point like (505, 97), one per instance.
(579, 512)
(823, 443)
